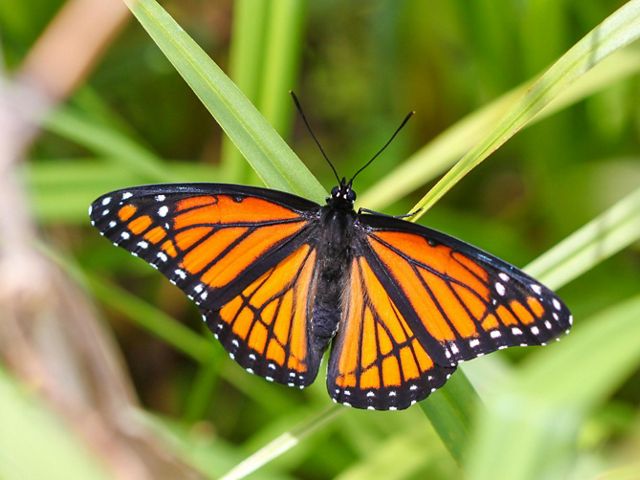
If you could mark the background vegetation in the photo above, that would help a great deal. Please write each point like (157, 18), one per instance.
(107, 325)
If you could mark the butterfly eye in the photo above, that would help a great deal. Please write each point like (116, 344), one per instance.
(351, 196)
(335, 191)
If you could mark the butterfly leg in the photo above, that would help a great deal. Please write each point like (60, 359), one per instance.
(401, 217)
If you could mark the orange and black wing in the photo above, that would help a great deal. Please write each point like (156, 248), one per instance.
(246, 256)
(465, 300)
(420, 302)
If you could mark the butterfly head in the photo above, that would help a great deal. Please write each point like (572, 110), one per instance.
(342, 196)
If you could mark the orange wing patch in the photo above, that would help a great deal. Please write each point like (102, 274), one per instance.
(377, 361)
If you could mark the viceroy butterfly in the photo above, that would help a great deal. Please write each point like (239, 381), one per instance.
(279, 278)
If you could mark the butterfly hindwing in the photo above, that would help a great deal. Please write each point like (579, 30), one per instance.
(238, 252)
(461, 302)
(266, 327)
(377, 362)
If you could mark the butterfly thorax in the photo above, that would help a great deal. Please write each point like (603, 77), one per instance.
(334, 259)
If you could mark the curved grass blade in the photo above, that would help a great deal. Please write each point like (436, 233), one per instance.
(451, 410)
(107, 142)
(603, 236)
(269, 155)
(615, 32)
(281, 444)
(442, 152)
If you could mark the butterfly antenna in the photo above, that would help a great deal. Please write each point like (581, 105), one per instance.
(404, 122)
(306, 122)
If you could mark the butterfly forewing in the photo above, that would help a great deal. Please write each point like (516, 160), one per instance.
(244, 255)
(466, 300)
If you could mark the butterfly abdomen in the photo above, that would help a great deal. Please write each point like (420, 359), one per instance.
(334, 253)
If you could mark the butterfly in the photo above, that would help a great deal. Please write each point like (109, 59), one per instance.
(279, 278)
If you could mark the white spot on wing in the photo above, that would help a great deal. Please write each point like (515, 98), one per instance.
(495, 334)
(106, 200)
(126, 195)
(536, 288)
(163, 210)
(160, 198)
(504, 276)
(500, 289)
(556, 304)
(516, 331)
(125, 235)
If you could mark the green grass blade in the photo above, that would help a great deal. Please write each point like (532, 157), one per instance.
(246, 60)
(605, 235)
(531, 426)
(282, 58)
(451, 410)
(283, 443)
(271, 158)
(615, 32)
(107, 142)
(61, 189)
(443, 151)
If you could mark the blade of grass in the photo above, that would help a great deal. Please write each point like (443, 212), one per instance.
(269, 155)
(443, 151)
(282, 49)
(451, 410)
(530, 427)
(615, 32)
(61, 189)
(246, 59)
(282, 58)
(281, 444)
(107, 142)
(605, 235)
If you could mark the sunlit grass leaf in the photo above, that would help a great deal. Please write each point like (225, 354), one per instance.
(603, 236)
(530, 427)
(451, 410)
(246, 60)
(615, 32)
(443, 151)
(107, 142)
(269, 155)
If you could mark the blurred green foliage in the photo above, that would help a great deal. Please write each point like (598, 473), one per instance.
(358, 67)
